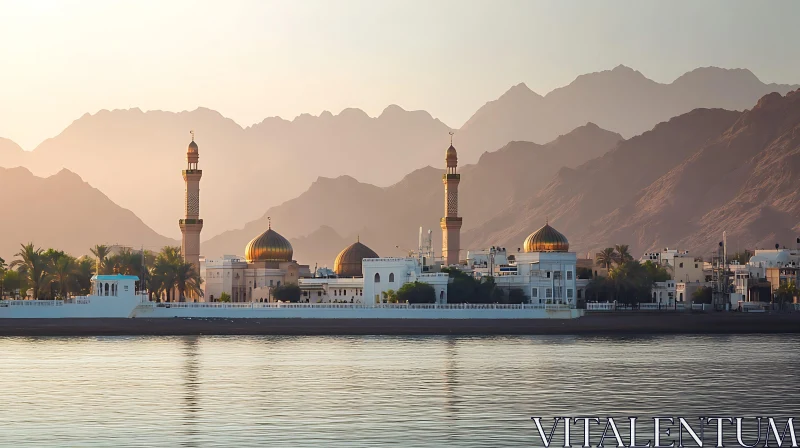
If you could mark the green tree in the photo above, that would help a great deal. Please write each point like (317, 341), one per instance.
(3, 269)
(656, 272)
(417, 292)
(786, 292)
(702, 294)
(63, 274)
(187, 280)
(101, 253)
(163, 274)
(287, 293)
(516, 295)
(12, 282)
(224, 298)
(84, 270)
(32, 265)
(606, 257)
(389, 296)
(623, 254)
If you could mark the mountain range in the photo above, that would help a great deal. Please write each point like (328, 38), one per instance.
(64, 212)
(135, 157)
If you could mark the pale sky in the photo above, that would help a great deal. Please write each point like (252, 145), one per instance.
(252, 59)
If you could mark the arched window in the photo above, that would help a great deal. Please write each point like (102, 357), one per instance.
(377, 277)
(106, 288)
(391, 277)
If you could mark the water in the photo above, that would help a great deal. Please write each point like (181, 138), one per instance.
(373, 391)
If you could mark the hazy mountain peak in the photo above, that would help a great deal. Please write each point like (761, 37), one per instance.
(353, 112)
(520, 90)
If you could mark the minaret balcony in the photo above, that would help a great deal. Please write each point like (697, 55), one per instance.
(453, 219)
(190, 221)
(451, 177)
(192, 172)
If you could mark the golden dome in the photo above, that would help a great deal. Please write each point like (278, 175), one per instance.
(348, 262)
(192, 147)
(269, 246)
(546, 239)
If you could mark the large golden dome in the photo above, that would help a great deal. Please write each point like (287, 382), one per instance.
(348, 262)
(546, 239)
(269, 246)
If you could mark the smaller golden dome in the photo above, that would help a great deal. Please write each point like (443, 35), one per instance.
(269, 246)
(348, 262)
(192, 147)
(546, 239)
(451, 153)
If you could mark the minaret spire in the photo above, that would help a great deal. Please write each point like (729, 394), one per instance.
(191, 224)
(451, 222)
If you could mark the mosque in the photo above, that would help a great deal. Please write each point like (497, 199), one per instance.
(545, 269)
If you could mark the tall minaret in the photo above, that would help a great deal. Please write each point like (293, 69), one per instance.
(451, 223)
(191, 225)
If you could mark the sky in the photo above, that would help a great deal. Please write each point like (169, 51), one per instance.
(249, 60)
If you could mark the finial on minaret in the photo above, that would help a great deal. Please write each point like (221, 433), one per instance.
(451, 138)
(192, 132)
(358, 238)
(547, 220)
(269, 222)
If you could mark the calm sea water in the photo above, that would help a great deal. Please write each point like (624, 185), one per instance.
(373, 391)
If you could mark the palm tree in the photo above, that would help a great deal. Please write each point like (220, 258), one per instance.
(164, 275)
(63, 274)
(101, 252)
(187, 279)
(3, 268)
(84, 270)
(623, 254)
(32, 265)
(606, 257)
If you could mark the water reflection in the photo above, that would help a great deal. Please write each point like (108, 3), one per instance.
(191, 386)
(373, 391)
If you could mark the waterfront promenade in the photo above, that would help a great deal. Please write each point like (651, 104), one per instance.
(618, 323)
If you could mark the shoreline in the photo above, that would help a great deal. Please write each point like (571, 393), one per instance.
(608, 324)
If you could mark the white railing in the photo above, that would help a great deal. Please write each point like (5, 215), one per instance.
(647, 306)
(31, 303)
(413, 306)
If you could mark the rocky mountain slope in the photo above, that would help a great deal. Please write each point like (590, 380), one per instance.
(680, 185)
(64, 212)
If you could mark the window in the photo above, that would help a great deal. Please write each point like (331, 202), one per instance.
(335, 292)
(377, 277)
(580, 293)
(548, 293)
(319, 293)
(534, 293)
(681, 265)
(569, 275)
(695, 265)
(391, 277)
(126, 287)
(558, 292)
(569, 293)
(557, 275)
(548, 274)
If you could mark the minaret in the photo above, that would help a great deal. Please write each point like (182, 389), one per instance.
(451, 223)
(191, 225)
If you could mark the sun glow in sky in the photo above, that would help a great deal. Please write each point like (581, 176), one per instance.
(254, 59)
